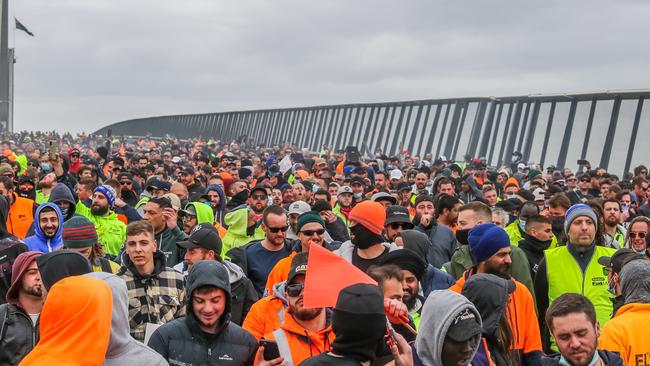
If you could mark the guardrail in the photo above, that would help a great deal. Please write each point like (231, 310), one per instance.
(550, 129)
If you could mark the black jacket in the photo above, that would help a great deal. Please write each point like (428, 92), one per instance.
(534, 250)
(182, 341)
(18, 335)
(609, 358)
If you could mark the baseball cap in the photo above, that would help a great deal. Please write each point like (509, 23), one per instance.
(402, 186)
(158, 184)
(357, 180)
(188, 170)
(620, 258)
(298, 266)
(344, 189)
(203, 236)
(397, 214)
(174, 200)
(176, 159)
(299, 207)
(189, 210)
(396, 174)
(464, 326)
(380, 196)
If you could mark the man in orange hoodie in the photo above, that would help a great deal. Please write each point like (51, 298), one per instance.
(305, 332)
(490, 247)
(75, 324)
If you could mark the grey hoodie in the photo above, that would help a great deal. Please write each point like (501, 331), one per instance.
(635, 282)
(438, 313)
(122, 348)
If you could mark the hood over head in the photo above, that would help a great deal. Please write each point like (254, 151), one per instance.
(210, 273)
(489, 294)
(438, 313)
(61, 192)
(635, 281)
(75, 324)
(20, 265)
(204, 213)
(57, 240)
(60, 264)
(416, 241)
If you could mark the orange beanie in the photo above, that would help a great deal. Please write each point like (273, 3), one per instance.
(370, 214)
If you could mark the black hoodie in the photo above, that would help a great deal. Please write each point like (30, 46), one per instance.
(180, 340)
(534, 250)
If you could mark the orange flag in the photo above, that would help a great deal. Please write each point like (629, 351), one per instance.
(327, 275)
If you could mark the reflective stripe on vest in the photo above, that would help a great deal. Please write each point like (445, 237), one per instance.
(283, 346)
(565, 276)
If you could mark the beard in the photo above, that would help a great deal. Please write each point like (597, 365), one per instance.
(503, 271)
(410, 300)
(306, 314)
(36, 290)
(99, 210)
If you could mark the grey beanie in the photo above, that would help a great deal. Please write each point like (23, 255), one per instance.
(579, 210)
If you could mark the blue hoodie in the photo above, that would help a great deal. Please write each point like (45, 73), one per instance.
(219, 212)
(38, 242)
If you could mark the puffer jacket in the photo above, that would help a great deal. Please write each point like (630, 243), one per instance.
(39, 242)
(157, 298)
(18, 335)
(122, 348)
(443, 243)
(182, 342)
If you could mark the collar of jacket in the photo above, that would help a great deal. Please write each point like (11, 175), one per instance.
(195, 328)
(158, 266)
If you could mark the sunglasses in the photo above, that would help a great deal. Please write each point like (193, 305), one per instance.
(397, 225)
(259, 197)
(295, 289)
(74, 155)
(640, 235)
(276, 230)
(312, 232)
(585, 180)
(126, 183)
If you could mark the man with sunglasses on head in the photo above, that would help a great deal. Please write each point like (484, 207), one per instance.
(258, 258)
(397, 220)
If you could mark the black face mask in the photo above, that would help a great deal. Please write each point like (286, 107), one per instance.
(364, 238)
(31, 194)
(241, 196)
(543, 245)
(463, 236)
(557, 224)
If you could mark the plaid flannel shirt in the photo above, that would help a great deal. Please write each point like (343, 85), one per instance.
(156, 299)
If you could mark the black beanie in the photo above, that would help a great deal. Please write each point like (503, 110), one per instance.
(359, 322)
(60, 264)
(406, 260)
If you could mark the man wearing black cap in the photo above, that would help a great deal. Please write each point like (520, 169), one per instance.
(358, 186)
(614, 265)
(187, 178)
(397, 220)
(204, 244)
(258, 200)
(581, 194)
(442, 238)
(404, 194)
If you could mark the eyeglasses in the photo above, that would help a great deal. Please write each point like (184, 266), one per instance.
(398, 225)
(318, 232)
(295, 289)
(276, 230)
(259, 197)
(640, 234)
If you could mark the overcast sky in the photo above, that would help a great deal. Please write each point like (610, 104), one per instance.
(95, 62)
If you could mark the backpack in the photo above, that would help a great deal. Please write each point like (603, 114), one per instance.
(10, 249)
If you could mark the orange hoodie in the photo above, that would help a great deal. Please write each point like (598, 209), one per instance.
(521, 316)
(626, 334)
(75, 324)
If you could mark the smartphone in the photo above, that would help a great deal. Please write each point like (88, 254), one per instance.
(583, 162)
(53, 150)
(352, 154)
(271, 351)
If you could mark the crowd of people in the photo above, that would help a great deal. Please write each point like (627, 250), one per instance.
(156, 251)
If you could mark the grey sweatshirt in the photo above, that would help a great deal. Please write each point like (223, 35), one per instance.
(439, 311)
(122, 348)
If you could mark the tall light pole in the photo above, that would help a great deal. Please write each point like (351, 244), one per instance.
(6, 71)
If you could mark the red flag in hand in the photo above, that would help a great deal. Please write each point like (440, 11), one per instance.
(327, 275)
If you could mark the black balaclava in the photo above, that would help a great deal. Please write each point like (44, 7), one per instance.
(359, 322)
(60, 264)
(364, 238)
(463, 236)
